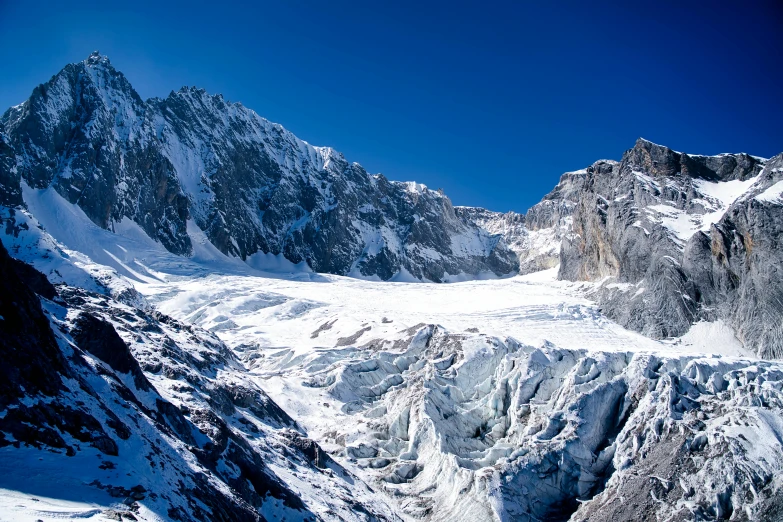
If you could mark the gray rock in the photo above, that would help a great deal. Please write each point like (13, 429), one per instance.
(249, 184)
(633, 228)
(739, 271)
(90, 136)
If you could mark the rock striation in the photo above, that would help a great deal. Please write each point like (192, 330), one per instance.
(673, 237)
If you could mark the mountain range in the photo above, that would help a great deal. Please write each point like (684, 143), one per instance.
(175, 319)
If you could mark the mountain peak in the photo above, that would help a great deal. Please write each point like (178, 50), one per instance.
(642, 143)
(97, 58)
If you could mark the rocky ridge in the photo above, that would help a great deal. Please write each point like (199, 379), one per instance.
(134, 410)
(250, 185)
(675, 239)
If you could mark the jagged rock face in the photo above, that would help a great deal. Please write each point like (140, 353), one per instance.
(157, 413)
(255, 187)
(736, 270)
(28, 346)
(10, 181)
(249, 184)
(643, 223)
(560, 202)
(87, 133)
(661, 162)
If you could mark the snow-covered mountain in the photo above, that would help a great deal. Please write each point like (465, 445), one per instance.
(107, 403)
(670, 239)
(251, 186)
(179, 341)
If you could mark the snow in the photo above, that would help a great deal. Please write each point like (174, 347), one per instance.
(528, 310)
(484, 398)
(715, 197)
(415, 188)
(773, 194)
(38, 495)
(276, 263)
(726, 192)
(712, 337)
(682, 224)
(17, 506)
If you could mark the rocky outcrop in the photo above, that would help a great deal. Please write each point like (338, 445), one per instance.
(249, 184)
(736, 269)
(10, 181)
(104, 397)
(671, 238)
(32, 358)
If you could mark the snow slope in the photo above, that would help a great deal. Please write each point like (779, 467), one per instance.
(710, 202)
(459, 400)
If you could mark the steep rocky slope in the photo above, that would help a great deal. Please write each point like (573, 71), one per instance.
(116, 413)
(675, 239)
(670, 239)
(736, 269)
(249, 184)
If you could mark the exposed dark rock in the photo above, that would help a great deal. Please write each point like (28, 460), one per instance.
(34, 279)
(32, 361)
(249, 184)
(88, 134)
(10, 180)
(98, 337)
(309, 448)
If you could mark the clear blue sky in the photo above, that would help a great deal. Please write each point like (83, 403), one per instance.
(490, 101)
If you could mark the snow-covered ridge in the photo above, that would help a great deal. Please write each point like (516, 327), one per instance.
(249, 184)
(708, 203)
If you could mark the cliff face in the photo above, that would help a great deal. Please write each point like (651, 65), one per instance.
(249, 184)
(88, 134)
(736, 269)
(679, 238)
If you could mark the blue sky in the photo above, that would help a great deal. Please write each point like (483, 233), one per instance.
(490, 101)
